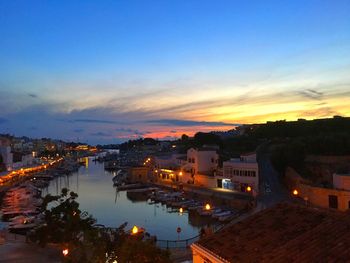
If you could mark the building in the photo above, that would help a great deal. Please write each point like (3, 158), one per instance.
(283, 233)
(202, 166)
(198, 166)
(336, 196)
(6, 154)
(21, 160)
(202, 161)
(139, 174)
(239, 173)
(341, 181)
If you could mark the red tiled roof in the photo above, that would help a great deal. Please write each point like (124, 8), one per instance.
(284, 233)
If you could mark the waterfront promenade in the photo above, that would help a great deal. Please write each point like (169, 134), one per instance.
(14, 248)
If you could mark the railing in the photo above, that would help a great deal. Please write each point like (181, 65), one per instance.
(184, 243)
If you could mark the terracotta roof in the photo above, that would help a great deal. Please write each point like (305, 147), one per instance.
(284, 233)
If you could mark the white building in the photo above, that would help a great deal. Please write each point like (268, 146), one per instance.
(202, 161)
(202, 166)
(6, 154)
(239, 173)
(199, 167)
(26, 161)
(341, 181)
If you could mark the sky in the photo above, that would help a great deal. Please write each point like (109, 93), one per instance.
(109, 71)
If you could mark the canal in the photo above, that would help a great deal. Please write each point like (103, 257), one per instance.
(111, 208)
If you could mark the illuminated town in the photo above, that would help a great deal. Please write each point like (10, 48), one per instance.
(169, 131)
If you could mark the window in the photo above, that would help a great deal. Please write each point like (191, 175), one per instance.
(333, 201)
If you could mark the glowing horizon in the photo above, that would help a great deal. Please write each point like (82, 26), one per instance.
(108, 72)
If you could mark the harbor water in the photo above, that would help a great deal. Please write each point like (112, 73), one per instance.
(111, 208)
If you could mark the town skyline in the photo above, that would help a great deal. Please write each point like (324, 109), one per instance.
(111, 72)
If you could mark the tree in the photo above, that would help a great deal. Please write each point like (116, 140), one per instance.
(66, 225)
(184, 137)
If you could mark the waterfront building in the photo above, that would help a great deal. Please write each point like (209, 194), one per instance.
(202, 161)
(21, 160)
(198, 166)
(6, 154)
(241, 173)
(201, 166)
(139, 174)
(282, 233)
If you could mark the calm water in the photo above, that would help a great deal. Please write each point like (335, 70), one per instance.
(99, 198)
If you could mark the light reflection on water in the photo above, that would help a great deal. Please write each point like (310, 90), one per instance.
(99, 198)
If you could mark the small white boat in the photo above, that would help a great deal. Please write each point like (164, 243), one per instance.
(220, 214)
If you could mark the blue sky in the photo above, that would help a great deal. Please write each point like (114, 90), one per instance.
(106, 71)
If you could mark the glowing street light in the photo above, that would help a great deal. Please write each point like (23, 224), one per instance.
(181, 210)
(135, 230)
(207, 207)
(180, 173)
(295, 192)
(249, 189)
(65, 252)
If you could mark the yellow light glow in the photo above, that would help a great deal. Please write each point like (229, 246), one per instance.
(180, 173)
(295, 192)
(181, 210)
(65, 252)
(249, 189)
(167, 170)
(135, 230)
(207, 207)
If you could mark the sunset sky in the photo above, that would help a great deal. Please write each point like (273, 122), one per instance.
(108, 71)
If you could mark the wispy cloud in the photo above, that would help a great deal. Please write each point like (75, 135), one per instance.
(312, 94)
(93, 121)
(174, 122)
(101, 134)
(32, 95)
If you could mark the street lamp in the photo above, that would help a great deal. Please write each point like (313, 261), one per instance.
(295, 192)
(181, 210)
(249, 189)
(135, 230)
(207, 207)
(65, 252)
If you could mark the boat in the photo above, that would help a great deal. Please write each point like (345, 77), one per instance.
(209, 212)
(226, 218)
(221, 214)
